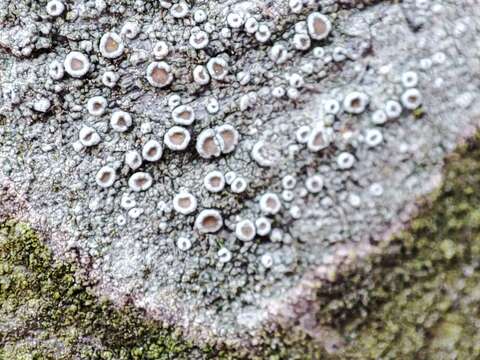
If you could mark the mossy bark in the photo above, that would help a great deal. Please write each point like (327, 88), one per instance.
(427, 304)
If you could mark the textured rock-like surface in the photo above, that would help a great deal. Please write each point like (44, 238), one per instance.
(310, 115)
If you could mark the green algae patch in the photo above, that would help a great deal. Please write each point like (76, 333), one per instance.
(427, 303)
(47, 312)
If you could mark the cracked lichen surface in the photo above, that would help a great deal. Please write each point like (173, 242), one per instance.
(421, 300)
(342, 110)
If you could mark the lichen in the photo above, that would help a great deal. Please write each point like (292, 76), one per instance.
(419, 300)
(117, 110)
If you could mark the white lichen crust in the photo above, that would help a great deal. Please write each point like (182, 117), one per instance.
(217, 161)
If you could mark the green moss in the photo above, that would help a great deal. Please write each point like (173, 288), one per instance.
(420, 299)
(45, 307)
(424, 300)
